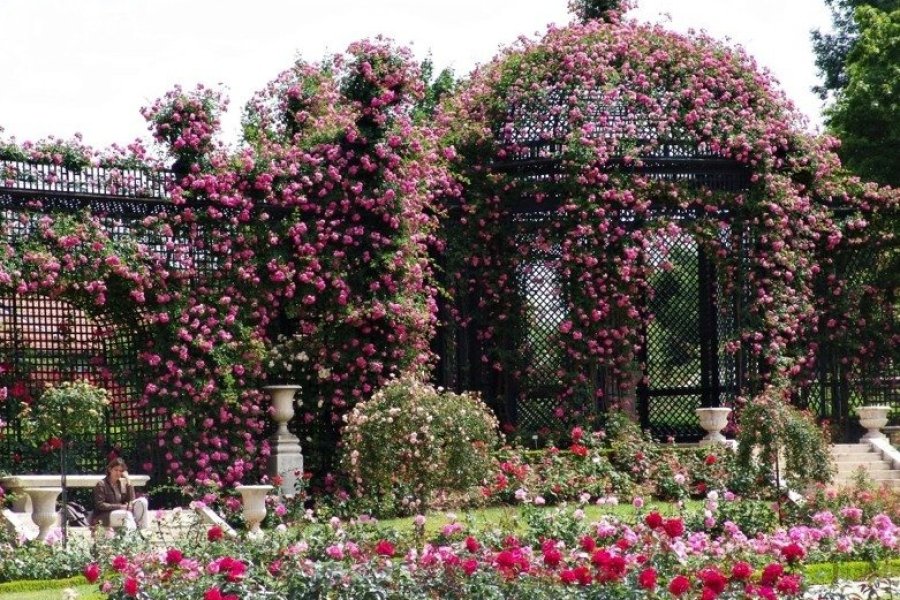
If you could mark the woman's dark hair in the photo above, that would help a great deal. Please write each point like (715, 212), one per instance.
(116, 462)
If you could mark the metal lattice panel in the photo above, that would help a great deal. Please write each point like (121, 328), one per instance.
(45, 341)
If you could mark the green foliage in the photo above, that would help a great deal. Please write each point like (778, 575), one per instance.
(38, 560)
(752, 516)
(71, 408)
(675, 327)
(826, 573)
(589, 10)
(866, 115)
(31, 585)
(436, 88)
(411, 440)
(776, 439)
(560, 524)
(832, 48)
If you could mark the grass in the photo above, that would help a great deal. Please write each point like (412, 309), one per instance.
(85, 592)
(508, 517)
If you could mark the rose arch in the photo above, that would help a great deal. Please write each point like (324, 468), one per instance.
(73, 294)
(645, 225)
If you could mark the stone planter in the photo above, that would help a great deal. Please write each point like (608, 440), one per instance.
(286, 459)
(873, 418)
(254, 499)
(43, 502)
(713, 421)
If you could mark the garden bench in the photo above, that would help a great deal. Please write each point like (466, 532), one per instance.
(19, 484)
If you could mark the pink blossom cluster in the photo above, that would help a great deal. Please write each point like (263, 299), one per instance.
(602, 94)
(657, 555)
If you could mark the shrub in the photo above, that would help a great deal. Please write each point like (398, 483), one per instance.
(411, 440)
(776, 439)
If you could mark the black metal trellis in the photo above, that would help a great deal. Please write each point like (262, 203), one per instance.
(684, 364)
(46, 340)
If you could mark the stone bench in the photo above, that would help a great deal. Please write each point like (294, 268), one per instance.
(18, 484)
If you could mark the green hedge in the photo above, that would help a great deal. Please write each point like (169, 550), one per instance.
(827, 573)
(35, 585)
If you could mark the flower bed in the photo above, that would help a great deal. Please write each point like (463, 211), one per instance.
(559, 555)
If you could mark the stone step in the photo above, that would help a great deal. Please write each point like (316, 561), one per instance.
(870, 457)
(851, 449)
(867, 462)
(878, 483)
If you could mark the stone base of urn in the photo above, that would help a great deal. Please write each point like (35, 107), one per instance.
(713, 421)
(286, 459)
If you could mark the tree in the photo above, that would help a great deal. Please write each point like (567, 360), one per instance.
(866, 113)
(832, 49)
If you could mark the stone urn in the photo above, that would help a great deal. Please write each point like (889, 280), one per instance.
(43, 502)
(873, 418)
(286, 459)
(254, 500)
(713, 421)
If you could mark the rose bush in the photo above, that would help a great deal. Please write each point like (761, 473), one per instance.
(411, 441)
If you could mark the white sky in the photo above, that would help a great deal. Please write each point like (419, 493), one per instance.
(88, 66)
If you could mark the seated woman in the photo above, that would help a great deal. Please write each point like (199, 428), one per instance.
(114, 501)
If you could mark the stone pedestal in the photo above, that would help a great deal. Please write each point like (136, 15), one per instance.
(44, 515)
(713, 421)
(286, 459)
(254, 499)
(873, 418)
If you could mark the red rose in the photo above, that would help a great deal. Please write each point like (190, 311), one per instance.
(92, 572)
(741, 571)
(623, 544)
(173, 556)
(130, 586)
(601, 558)
(19, 391)
(213, 593)
(552, 557)
(654, 520)
(713, 579)
(708, 594)
(673, 527)
(771, 574)
(647, 579)
(469, 566)
(789, 584)
(214, 533)
(568, 576)
(472, 545)
(274, 568)
(236, 571)
(588, 543)
(793, 552)
(384, 548)
(119, 563)
(711, 459)
(679, 585)
(578, 450)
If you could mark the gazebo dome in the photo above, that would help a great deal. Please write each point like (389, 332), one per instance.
(627, 94)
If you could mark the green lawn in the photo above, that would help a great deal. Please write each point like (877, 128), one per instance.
(85, 592)
(508, 516)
